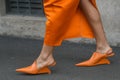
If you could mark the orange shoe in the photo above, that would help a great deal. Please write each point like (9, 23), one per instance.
(32, 69)
(97, 59)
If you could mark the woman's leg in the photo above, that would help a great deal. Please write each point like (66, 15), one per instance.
(93, 17)
(102, 46)
(40, 65)
(46, 56)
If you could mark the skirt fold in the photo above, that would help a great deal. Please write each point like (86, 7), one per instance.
(65, 20)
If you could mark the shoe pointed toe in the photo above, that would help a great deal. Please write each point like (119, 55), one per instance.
(19, 70)
(32, 69)
(84, 63)
(24, 69)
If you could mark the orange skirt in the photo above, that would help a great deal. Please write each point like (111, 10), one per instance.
(65, 19)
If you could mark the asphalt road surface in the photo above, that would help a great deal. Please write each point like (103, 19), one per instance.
(18, 52)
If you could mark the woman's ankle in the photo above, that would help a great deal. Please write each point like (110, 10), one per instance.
(47, 60)
(103, 48)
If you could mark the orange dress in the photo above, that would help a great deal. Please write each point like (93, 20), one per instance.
(65, 19)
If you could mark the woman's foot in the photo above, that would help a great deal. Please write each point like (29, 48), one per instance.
(97, 58)
(45, 62)
(39, 66)
(104, 49)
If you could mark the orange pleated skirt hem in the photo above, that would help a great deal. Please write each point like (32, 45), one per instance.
(65, 20)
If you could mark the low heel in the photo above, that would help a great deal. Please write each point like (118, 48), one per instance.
(44, 70)
(103, 61)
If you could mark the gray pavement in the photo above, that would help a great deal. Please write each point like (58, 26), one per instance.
(17, 52)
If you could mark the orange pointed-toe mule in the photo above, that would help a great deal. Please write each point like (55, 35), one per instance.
(32, 69)
(96, 59)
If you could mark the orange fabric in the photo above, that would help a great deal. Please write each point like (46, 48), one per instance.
(97, 58)
(65, 20)
(32, 69)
